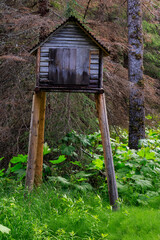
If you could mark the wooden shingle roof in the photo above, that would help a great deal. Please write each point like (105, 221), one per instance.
(84, 29)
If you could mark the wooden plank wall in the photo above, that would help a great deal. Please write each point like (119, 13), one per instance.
(70, 36)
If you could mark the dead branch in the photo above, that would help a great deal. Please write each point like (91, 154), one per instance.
(149, 10)
(86, 10)
(123, 3)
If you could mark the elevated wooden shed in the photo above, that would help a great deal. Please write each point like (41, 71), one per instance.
(70, 59)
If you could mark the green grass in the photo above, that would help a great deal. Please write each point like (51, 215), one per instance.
(73, 203)
(135, 223)
(50, 213)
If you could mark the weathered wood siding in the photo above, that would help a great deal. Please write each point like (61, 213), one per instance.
(71, 37)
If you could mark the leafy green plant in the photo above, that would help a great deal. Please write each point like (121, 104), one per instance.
(46, 149)
(61, 159)
(2, 170)
(137, 172)
(4, 229)
(18, 164)
(17, 167)
(78, 163)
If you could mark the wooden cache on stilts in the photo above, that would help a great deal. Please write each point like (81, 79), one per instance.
(69, 60)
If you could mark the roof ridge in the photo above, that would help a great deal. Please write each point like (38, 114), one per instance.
(81, 25)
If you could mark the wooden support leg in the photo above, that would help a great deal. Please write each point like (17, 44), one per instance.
(39, 156)
(36, 139)
(33, 137)
(103, 123)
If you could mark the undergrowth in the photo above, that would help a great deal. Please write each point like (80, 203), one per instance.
(61, 214)
(73, 202)
(151, 49)
(78, 162)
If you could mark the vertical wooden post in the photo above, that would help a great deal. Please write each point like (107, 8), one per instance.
(103, 123)
(33, 140)
(39, 156)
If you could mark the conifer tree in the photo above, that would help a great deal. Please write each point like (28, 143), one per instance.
(135, 70)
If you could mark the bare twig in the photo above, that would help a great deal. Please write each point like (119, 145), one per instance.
(86, 10)
(58, 15)
(115, 129)
(123, 2)
(149, 10)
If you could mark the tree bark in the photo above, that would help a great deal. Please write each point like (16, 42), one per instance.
(135, 72)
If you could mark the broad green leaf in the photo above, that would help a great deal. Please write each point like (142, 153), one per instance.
(150, 155)
(4, 229)
(98, 163)
(86, 142)
(46, 168)
(121, 165)
(16, 167)
(61, 158)
(82, 174)
(76, 163)
(144, 183)
(2, 172)
(83, 186)
(82, 179)
(148, 117)
(21, 173)
(46, 149)
(62, 180)
(67, 150)
(20, 158)
(100, 148)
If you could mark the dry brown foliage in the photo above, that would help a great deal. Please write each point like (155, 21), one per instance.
(20, 26)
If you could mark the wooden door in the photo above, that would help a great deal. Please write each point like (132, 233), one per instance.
(69, 66)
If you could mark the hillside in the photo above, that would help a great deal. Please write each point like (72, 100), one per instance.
(21, 26)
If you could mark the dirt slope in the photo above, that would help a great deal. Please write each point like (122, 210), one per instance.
(20, 28)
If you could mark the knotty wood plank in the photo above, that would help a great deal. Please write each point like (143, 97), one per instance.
(44, 69)
(82, 70)
(88, 89)
(52, 64)
(100, 69)
(72, 66)
(44, 64)
(94, 72)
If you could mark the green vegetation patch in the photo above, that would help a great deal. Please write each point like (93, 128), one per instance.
(77, 162)
(51, 213)
(73, 202)
(151, 49)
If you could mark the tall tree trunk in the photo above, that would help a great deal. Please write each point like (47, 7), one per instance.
(135, 65)
(43, 7)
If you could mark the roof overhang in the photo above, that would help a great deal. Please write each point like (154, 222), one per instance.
(84, 29)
